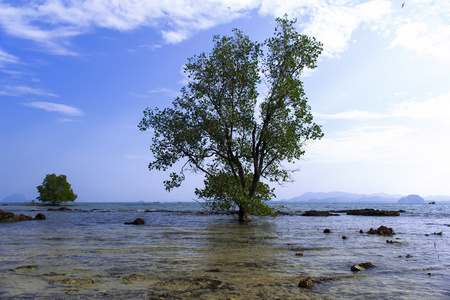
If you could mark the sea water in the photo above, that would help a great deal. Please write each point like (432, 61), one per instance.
(184, 253)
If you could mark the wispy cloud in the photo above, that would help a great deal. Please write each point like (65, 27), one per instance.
(422, 26)
(161, 90)
(18, 91)
(6, 58)
(351, 115)
(435, 109)
(412, 131)
(56, 107)
(176, 22)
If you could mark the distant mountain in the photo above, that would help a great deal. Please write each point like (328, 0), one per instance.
(15, 198)
(342, 197)
(412, 199)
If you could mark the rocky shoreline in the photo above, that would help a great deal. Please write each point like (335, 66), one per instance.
(9, 217)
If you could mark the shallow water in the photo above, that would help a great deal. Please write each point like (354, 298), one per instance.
(89, 253)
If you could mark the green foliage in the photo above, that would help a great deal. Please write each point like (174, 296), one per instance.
(55, 189)
(223, 127)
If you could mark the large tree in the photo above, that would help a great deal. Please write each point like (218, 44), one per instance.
(55, 189)
(242, 115)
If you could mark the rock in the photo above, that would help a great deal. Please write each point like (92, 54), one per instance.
(317, 213)
(382, 230)
(372, 212)
(40, 216)
(357, 268)
(306, 283)
(327, 231)
(63, 208)
(408, 256)
(437, 233)
(7, 217)
(393, 242)
(138, 221)
(362, 267)
(361, 231)
(367, 265)
(29, 268)
(299, 254)
(215, 270)
(344, 237)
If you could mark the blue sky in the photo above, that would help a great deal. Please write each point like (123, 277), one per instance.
(75, 77)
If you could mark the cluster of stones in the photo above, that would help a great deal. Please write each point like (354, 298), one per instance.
(8, 217)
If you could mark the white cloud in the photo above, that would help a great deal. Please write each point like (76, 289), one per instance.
(351, 115)
(6, 58)
(52, 22)
(56, 107)
(331, 22)
(370, 144)
(434, 109)
(18, 91)
(422, 26)
(425, 29)
(416, 134)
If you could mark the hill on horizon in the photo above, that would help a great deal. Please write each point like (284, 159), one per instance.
(344, 197)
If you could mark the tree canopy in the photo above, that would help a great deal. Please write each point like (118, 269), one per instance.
(242, 115)
(55, 189)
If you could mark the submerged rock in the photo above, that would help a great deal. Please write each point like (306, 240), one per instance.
(63, 208)
(40, 216)
(29, 268)
(382, 230)
(327, 231)
(306, 283)
(318, 213)
(8, 217)
(373, 212)
(362, 267)
(138, 221)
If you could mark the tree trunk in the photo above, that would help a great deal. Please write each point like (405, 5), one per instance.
(243, 215)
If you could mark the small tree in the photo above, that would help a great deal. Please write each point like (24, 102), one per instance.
(55, 189)
(224, 128)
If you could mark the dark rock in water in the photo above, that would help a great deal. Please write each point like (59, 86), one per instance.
(392, 242)
(437, 233)
(408, 256)
(362, 267)
(29, 268)
(63, 208)
(372, 212)
(357, 268)
(382, 230)
(306, 283)
(361, 231)
(299, 254)
(138, 221)
(215, 270)
(327, 231)
(40, 216)
(344, 237)
(367, 265)
(318, 213)
(7, 217)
